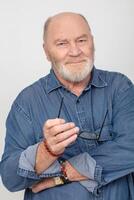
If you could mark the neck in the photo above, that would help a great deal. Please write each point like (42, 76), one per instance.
(75, 87)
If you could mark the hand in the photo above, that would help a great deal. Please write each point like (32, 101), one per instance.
(59, 134)
(73, 174)
(45, 184)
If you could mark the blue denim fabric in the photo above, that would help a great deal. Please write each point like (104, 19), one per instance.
(113, 152)
(27, 164)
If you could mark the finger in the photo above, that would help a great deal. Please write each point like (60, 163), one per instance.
(53, 122)
(39, 186)
(73, 174)
(65, 135)
(61, 128)
(36, 189)
(47, 183)
(64, 144)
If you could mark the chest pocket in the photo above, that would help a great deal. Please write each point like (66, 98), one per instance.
(89, 140)
(105, 134)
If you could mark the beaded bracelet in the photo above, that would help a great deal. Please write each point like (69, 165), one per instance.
(63, 171)
(49, 151)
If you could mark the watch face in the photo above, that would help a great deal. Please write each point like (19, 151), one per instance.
(58, 181)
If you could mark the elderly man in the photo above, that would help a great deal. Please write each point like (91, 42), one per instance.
(70, 135)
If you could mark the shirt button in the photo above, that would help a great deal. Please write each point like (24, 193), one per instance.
(98, 192)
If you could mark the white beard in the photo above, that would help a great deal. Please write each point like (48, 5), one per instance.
(74, 77)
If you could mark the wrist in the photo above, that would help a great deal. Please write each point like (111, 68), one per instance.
(49, 150)
(43, 159)
(64, 176)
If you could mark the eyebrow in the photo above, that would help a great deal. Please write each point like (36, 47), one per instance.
(60, 40)
(65, 40)
(82, 36)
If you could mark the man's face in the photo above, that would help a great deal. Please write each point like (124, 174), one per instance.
(69, 47)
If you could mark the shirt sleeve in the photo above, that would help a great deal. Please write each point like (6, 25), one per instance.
(27, 164)
(87, 168)
(18, 161)
(15, 168)
(116, 156)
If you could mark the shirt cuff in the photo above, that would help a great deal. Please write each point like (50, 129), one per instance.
(90, 185)
(84, 164)
(27, 164)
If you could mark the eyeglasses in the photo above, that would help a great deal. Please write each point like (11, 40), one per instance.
(60, 107)
(91, 135)
(86, 134)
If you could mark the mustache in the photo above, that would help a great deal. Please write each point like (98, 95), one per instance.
(76, 61)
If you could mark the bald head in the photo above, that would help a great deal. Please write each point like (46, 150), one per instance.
(68, 44)
(64, 16)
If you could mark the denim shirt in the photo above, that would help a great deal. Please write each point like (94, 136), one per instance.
(103, 151)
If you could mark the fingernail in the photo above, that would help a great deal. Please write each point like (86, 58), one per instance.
(62, 120)
(77, 129)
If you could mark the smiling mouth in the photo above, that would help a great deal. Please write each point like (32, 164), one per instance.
(76, 62)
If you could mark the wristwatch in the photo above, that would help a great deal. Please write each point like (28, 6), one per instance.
(58, 181)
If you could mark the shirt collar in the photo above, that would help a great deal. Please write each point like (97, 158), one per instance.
(97, 80)
(52, 82)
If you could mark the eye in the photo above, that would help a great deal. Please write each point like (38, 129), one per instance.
(61, 44)
(82, 40)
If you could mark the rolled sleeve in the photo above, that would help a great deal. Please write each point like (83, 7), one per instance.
(90, 185)
(86, 166)
(83, 163)
(27, 164)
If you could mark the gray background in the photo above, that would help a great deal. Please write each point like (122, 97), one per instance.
(22, 60)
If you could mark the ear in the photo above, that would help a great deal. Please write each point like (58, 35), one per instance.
(93, 42)
(46, 52)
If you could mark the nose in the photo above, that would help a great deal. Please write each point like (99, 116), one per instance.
(74, 50)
